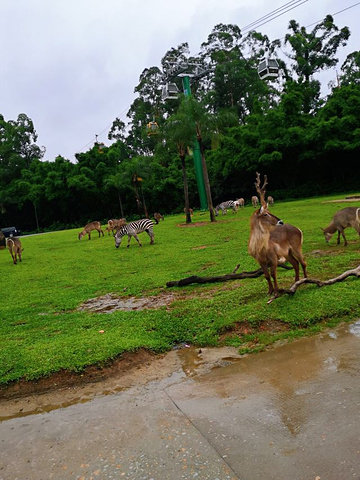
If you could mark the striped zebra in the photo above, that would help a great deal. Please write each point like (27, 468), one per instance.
(224, 206)
(132, 229)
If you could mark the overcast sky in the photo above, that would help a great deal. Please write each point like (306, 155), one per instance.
(72, 65)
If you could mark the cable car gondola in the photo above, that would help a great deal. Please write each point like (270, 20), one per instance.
(169, 91)
(268, 68)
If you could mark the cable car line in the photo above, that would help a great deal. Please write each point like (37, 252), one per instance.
(288, 6)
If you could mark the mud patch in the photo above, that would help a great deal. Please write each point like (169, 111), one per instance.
(111, 302)
(241, 329)
(193, 224)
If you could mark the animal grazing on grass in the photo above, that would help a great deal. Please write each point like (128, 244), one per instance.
(89, 228)
(114, 224)
(347, 217)
(271, 241)
(254, 201)
(158, 217)
(224, 207)
(270, 200)
(240, 202)
(132, 229)
(15, 248)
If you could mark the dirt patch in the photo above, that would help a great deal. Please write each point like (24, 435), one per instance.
(193, 224)
(111, 302)
(344, 200)
(245, 328)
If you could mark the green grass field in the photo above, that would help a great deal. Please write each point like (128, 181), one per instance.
(43, 331)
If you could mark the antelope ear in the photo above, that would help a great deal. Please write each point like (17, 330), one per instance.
(261, 209)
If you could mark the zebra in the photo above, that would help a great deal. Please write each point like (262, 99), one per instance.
(224, 206)
(132, 229)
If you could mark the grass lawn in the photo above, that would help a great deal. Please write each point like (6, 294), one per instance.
(43, 331)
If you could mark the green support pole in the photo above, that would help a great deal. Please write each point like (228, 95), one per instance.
(197, 157)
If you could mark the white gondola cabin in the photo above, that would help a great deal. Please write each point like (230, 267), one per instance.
(169, 91)
(268, 68)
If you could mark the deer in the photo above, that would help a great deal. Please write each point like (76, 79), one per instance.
(240, 202)
(254, 201)
(15, 248)
(270, 200)
(114, 224)
(190, 210)
(89, 228)
(347, 217)
(158, 217)
(272, 242)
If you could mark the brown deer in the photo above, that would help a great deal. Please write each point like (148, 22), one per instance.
(240, 202)
(254, 201)
(190, 210)
(347, 217)
(270, 200)
(15, 248)
(158, 217)
(89, 228)
(271, 241)
(114, 224)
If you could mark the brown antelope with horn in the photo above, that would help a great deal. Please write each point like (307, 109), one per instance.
(114, 224)
(272, 242)
(347, 217)
(15, 248)
(89, 228)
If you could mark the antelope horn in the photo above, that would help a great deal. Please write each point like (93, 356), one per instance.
(261, 190)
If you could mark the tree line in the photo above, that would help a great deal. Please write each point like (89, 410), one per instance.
(307, 143)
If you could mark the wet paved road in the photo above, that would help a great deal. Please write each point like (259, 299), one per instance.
(291, 413)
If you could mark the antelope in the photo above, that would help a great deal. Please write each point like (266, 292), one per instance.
(114, 224)
(190, 210)
(240, 202)
(158, 217)
(89, 228)
(271, 241)
(15, 248)
(347, 217)
(254, 201)
(270, 200)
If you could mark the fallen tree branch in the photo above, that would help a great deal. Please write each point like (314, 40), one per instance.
(219, 278)
(355, 272)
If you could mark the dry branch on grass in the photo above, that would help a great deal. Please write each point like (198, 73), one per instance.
(219, 278)
(257, 273)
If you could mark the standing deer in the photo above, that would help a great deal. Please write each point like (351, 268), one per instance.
(114, 224)
(271, 241)
(15, 248)
(158, 217)
(254, 201)
(240, 202)
(347, 217)
(89, 228)
(270, 200)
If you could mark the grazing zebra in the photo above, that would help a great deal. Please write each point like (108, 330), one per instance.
(132, 229)
(224, 206)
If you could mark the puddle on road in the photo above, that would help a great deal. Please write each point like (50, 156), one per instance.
(286, 371)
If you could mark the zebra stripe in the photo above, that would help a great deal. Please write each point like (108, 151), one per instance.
(224, 206)
(132, 229)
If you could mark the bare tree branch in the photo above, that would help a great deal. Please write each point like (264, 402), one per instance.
(355, 272)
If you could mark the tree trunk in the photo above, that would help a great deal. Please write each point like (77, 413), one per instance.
(186, 189)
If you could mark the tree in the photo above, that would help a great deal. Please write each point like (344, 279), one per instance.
(311, 53)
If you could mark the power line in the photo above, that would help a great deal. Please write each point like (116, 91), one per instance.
(333, 14)
(287, 7)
